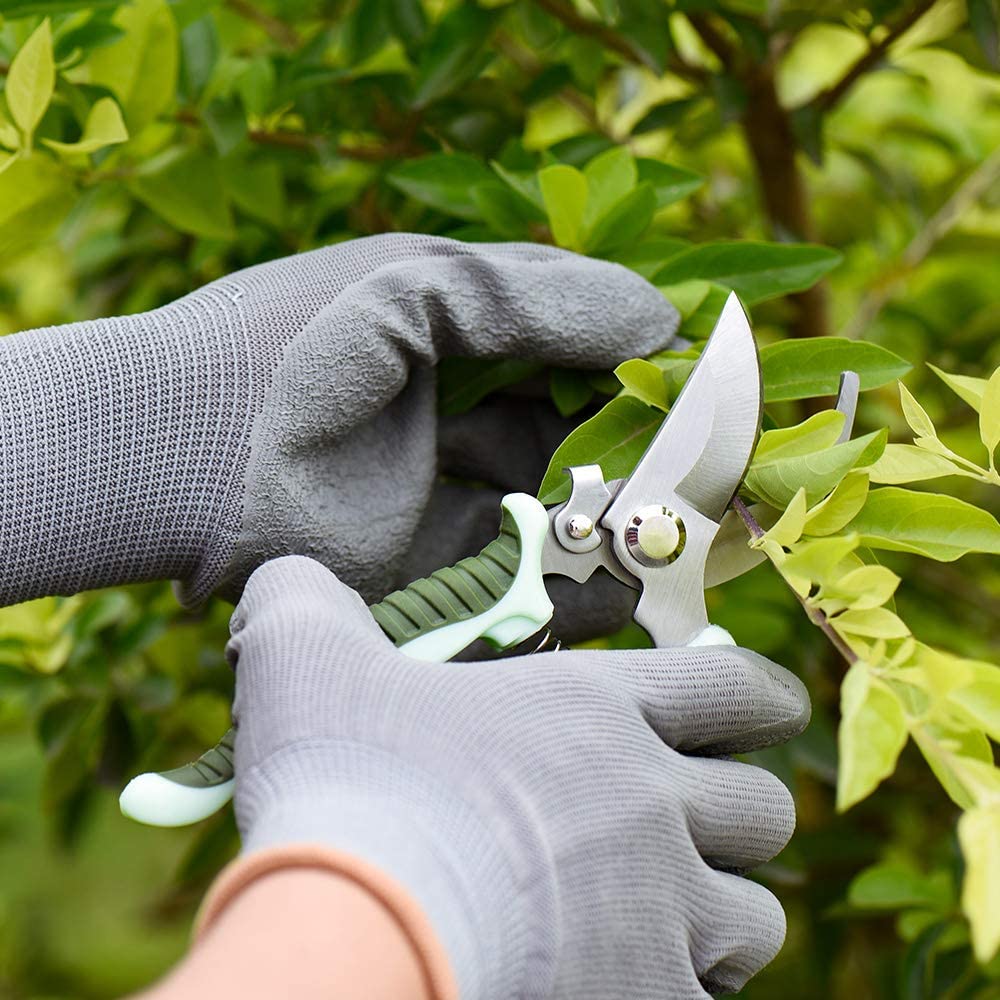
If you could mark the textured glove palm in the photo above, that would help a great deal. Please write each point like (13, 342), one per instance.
(559, 817)
(286, 408)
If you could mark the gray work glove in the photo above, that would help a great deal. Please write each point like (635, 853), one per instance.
(560, 818)
(287, 408)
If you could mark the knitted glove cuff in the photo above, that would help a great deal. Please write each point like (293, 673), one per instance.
(490, 902)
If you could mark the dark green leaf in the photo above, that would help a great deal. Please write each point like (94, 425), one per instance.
(800, 369)
(571, 390)
(227, 124)
(463, 382)
(666, 115)
(648, 257)
(199, 52)
(755, 271)
(984, 19)
(670, 183)
(614, 439)
(624, 223)
(444, 181)
(455, 52)
(188, 192)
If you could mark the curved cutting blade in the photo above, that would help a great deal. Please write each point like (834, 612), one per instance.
(692, 467)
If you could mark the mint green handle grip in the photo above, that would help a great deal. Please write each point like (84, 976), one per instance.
(498, 595)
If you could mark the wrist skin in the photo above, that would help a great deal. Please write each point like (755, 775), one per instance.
(306, 931)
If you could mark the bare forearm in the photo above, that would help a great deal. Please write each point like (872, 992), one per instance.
(303, 933)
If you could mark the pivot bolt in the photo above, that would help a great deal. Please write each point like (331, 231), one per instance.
(579, 526)
(655, 535)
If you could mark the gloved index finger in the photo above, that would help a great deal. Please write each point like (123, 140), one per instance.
(710, 699)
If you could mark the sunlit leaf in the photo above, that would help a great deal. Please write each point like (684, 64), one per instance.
(645, 381)
(966, 387)
(31, 80)
(930, 524)
(979, 835)
(916, 416)
(104, 127)
(565, 192)
(989, 415)
(799, 369)
(610, 177)
(906, 463)
(840, 507)
(872, 734)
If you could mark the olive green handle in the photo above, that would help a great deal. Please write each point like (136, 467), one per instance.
(498, 595)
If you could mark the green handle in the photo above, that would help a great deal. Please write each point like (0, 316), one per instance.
(498, 595)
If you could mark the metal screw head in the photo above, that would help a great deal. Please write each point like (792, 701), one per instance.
(655, 535)
(580, 526)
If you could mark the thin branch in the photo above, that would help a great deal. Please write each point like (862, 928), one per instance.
(939, 225)
(714, 40)
(567, 14)
(279, 32)
(829, 98)
(816, 616)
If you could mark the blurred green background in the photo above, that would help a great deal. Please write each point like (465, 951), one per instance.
(250, 130)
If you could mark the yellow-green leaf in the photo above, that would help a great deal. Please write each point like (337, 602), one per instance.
(871, 623)
(930, 524)
(140, 69)
(867, 586)
(979, 835)
(788, 528)
(979, 696)
(916, 415)
(34, 198)
(989, 415)
(104, 127)
(952, 751)
(906, 463)
(818, 432)
(9, 135)
(840, 507)
(564, 190)
(610, 176)
(645, 381)
(872, 734)
(31, 80)
(815, 559)
(964, 386)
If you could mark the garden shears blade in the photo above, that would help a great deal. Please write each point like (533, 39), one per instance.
(652, 531)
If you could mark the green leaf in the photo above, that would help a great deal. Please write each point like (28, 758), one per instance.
(614, 439)
(801, 369)
(776, 478)
(649, 256)
(9, 135)
(564, 190)
(455, 52)
(445, 181)
(872, 734)
(966, 387)
(670, 183)
(257, 188)
(814, 559)
(871, 623)
(624, 223)
(141, 68)
(979, 696)
(985, 23)
(31, 81)
(463, 382)
(788, 528)
(188, 192)
(929, 524)
(894, 886)
(989, 415)
(502, 209)
(906, 463)
(865, 587)
(571, 390)
(104, 127)
(840, 507)
(979, 835)
(526, 185)
(916, 415)
(755, 271)
(819, 431)
(701, 322)
(645, 381)
(34, 199)
(610, 177)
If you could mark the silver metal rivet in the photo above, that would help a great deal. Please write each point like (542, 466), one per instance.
(580, 526)
(656, 535)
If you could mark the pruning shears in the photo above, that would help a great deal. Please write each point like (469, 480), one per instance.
(652, 531)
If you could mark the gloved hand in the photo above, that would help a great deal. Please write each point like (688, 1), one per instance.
(562, 819)
(288, 408)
